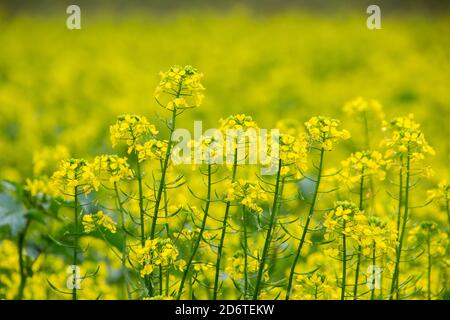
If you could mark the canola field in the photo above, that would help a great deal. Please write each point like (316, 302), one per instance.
(93, 205)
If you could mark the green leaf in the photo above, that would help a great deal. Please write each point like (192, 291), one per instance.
(12, 213)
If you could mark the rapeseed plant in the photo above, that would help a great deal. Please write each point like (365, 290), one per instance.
(141, 222)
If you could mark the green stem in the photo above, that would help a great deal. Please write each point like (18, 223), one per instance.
(395, 278)
(200, 235)
(447, 206)
(124, 243)
(245, 245)
(275, 206)
(160, 280)
(374, 260)
(305, 230)
(358, 261)
(75, 246)
(358, 265)
(141, 202)
(429, 266)
(224, 230)
(161, 186)
(23, 273)
(166, 214)
(147, 278)
(400, 197)
(344, 261)
(366, 131)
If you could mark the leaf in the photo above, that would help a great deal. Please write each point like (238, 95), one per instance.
(12, 213)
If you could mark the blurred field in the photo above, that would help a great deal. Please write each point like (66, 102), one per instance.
(61, 86)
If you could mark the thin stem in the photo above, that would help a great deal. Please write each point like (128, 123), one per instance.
(23, 274)
(275, 206)
(447, 207)
(141, 202)
(374, 260)
(124, 242)
(395, 278)
(344, 260)
(429, 266)
(166, 214)
(358, 260)
(224, 230)
(161, 186)
(147, 278)
(400, 197)
(366, 131)
(160, 280)
(245, 244)
(358, 265)
(75, 247)
(367, 146)
(305, 230)
(200, 234)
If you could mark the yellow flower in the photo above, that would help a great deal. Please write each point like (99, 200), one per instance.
(155, 253)
(442, 192)
(363, 164)
(92, 221)
(238, 122)
(323, 132)
(41, 186)
(367, 108)
(152, 149)
(236, 266)
(181, 87)
(247, 193)
(46, 158)
(111, 168)
(132, 129)
(75, 174)
(406, 139)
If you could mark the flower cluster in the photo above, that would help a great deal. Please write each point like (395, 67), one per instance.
(441, 193)
(41, 186)
(131, 128)
(293, 155)
(152, 149)
(47, 157)
(361, 164)
(247, 193)
(111, 168)
(344, 219)
(428, 231)
(93, 221)
(183, 87)
(236, 129)
(155, 253)
(379, 233)
(323, 131)
(238, 122)
(367, 108)
(207, 149)
(236, 266)
(289, 126)
(406, 139)
(313, 286)
(73, 174)
(44, 162)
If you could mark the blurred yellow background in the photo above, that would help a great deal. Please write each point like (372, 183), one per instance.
(67, 86)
